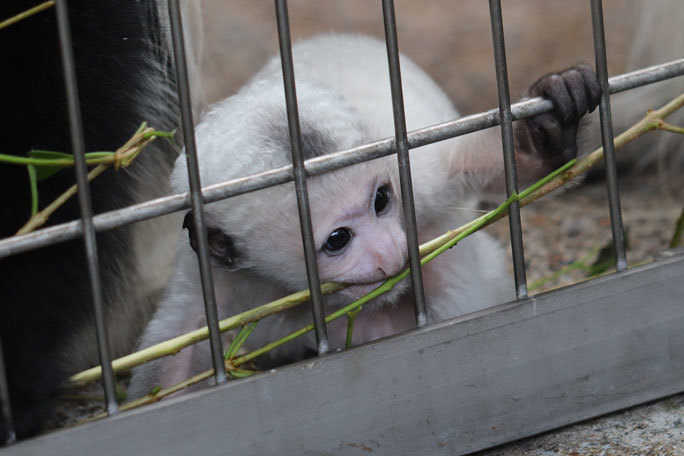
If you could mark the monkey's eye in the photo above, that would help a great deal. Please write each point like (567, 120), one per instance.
(382, 199)
(337, 240)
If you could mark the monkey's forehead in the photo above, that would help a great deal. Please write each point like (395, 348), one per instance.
(249, 133)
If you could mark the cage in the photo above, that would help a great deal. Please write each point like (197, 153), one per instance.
(542, 361)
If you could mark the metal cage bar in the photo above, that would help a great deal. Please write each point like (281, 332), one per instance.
(197, 202)
(506, 122)
(402, 149)
(315, 166)
(607, 136)
(85, 203)
(299, 173)
(5, 408)
(401, 144)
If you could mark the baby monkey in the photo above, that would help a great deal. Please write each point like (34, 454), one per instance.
(344, 101)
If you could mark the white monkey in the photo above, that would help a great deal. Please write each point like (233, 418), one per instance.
(344, 101)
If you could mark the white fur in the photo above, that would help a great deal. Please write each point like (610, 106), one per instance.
(343, 90)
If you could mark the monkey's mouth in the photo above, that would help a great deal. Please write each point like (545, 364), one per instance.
(358, 290)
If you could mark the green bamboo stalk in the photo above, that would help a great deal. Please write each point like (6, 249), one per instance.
(121, 158)
(38, 219)
(33, 182)
(100, 158)
(173, 346)
(25, 14)
(351, 316)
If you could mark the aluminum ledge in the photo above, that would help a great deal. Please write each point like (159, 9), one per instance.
(451, 388)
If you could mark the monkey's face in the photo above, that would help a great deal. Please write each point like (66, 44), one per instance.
(359, 234)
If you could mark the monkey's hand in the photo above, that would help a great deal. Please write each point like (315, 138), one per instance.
(552, 137)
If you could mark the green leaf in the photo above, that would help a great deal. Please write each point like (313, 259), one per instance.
(242, 373)
(242, 336)
(45, 171)
(48, 154)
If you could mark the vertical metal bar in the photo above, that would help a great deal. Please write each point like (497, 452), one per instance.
(508, 147)
(403, 160)
(78, 147)
(197, 202)
(607, 136)
(6, 411)
(300, 176)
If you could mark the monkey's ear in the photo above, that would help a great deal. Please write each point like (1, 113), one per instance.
(221, 247)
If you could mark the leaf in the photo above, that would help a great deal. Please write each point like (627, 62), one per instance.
(49, 155)
(45, 171)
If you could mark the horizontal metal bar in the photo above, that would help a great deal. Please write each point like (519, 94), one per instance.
(319, 165)
(645, 76)
(521, 368)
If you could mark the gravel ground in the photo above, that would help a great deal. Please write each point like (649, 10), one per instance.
(541, 36)
(655, 429)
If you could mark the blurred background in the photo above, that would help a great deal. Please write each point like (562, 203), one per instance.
(451, 40)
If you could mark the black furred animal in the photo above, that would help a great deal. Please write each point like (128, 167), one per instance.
(125, 76)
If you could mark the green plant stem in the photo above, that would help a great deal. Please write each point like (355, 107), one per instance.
(173, 346)
(38, 219)
(156, 396)
(351, 316)
(241, 373)
(25, 14)
(441, 243)
(652, 121)
(121, 158)
(33, 181)
(101, 158)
